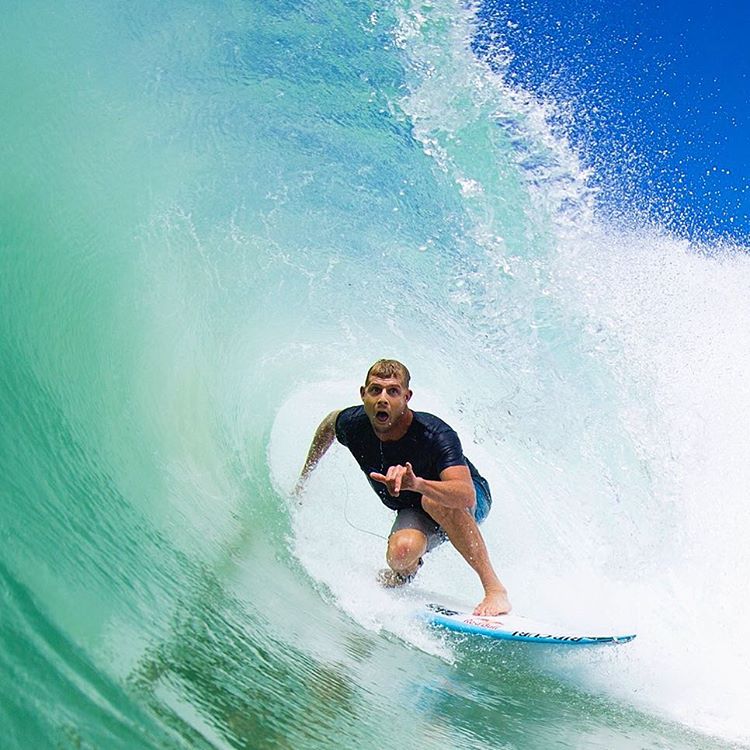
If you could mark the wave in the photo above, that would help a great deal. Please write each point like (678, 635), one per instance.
(209, 239)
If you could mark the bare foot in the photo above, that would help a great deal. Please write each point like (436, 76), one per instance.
(495, 602)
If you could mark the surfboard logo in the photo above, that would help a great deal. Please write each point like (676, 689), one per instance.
(568, 638)
(443, 610)
(482, 622)
(497, 624)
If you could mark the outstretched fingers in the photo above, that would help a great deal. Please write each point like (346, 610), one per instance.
(394, 478)
(395, 473)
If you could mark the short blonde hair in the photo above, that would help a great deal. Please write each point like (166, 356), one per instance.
(389, 368)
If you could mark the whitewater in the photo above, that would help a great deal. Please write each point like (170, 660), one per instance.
(214, 218)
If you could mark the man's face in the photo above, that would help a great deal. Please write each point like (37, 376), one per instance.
(386, 403)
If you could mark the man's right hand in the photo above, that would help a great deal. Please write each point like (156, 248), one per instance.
(322, 440)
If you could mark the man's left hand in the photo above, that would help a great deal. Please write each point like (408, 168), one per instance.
(397, 478)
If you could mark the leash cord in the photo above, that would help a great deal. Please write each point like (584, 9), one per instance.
(354, 526)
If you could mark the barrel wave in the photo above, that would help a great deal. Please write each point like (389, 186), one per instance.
(214, 217)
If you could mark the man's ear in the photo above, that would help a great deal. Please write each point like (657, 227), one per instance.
(408, 395)
(361, 392)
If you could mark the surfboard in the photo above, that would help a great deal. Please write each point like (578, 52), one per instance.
(516, 628)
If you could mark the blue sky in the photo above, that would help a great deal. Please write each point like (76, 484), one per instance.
(660, 96)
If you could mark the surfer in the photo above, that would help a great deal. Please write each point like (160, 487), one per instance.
(415, 464)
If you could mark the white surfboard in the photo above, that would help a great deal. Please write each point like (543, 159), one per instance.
(516, 628)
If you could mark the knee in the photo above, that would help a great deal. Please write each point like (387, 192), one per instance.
(405, 547)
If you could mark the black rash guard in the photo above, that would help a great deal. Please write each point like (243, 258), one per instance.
(429, 445)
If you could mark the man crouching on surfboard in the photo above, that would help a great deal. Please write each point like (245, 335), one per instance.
(415, 464)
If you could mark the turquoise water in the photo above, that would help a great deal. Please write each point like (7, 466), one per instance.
(213, 218)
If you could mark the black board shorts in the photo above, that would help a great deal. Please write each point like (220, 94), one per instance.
(416, 518)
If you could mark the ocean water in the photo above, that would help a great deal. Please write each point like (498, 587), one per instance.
(214, 217)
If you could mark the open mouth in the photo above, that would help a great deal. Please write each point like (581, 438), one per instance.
(381, 417)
